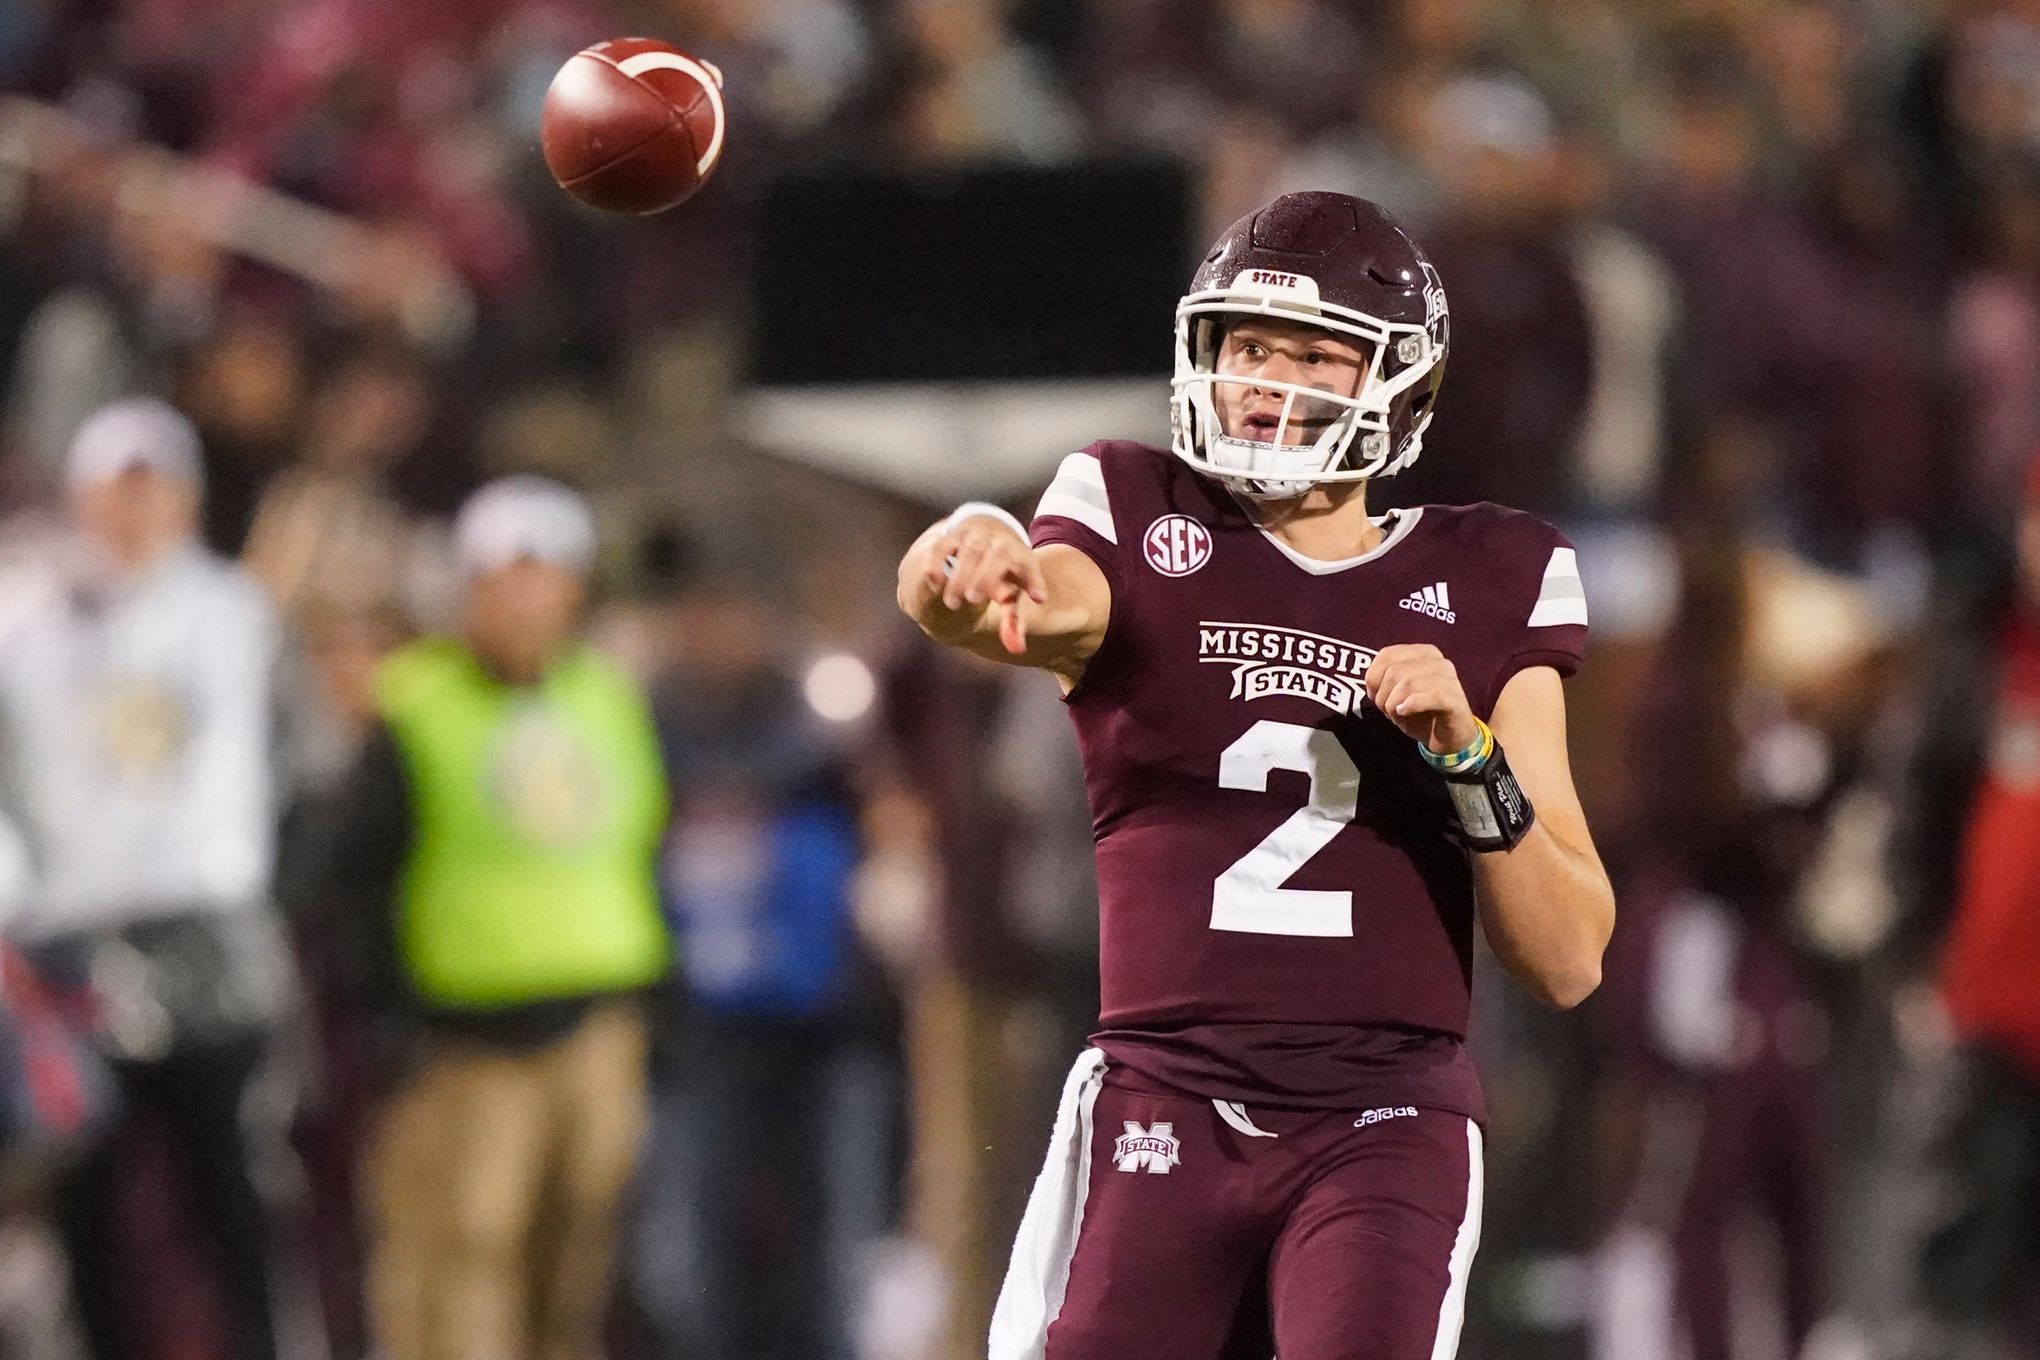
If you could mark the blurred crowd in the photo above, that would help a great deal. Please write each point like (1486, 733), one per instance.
(1746, 298)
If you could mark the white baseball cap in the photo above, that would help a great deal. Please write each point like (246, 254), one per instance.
(523, 517)
(140, 432)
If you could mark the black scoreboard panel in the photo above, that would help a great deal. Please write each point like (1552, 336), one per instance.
(979, 274)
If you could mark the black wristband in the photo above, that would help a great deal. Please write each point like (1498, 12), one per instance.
(1488, 806)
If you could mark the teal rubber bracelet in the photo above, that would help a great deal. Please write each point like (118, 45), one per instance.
(1465, 761)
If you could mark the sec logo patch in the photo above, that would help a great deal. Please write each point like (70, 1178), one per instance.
(1176, 545)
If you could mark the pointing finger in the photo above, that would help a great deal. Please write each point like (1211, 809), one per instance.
(1012, 632)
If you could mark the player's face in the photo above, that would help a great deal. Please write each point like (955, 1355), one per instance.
(1258, 351)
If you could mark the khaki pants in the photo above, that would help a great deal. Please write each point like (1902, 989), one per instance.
(494, 1182)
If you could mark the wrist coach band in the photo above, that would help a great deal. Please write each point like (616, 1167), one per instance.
(1488, 804)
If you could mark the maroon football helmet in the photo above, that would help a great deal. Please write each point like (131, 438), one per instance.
(1340, 263)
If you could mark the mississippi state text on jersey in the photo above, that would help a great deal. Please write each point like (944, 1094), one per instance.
(1284, 921)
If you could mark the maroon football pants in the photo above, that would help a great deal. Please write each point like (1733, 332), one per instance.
(1168, 1225)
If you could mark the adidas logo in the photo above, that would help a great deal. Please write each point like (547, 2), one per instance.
(1432, 600)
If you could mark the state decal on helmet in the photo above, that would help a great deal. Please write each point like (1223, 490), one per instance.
(1335, 262)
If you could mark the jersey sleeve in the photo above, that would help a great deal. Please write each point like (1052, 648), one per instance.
(1077, 510)
(1553, 631)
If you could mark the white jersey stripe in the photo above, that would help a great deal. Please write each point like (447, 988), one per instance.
(1082, 468)
(1083, 512)
(1444, 596)
(1038, 1276)
(1452, 1312)
(1552, 613)
(1562, 599)
(1078, 493)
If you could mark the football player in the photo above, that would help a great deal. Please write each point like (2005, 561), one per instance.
(1314, 739)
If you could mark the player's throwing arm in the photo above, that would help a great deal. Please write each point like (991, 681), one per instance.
(972, 581)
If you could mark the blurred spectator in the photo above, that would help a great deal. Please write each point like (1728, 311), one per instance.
(1592, 57)
(1634, 317)
(968, 974)
(1303, 61)
(332, 531)
(497, 847)
(244, 389)
(1278, 87)
(772, 1161)
(1036, 773)
(74, 357)
(1978, 1263)
(1803, 51)
(377, 111)
(1441, 37)
(1994, 347)
(329, 710)
(1142, 74)
(1993, 89)
(969, 89)
(1776, 327)
(1522, 356)
(1877, 398)
(1965, 104)
(1719, 1106)
(1376, 156)
(136, 698)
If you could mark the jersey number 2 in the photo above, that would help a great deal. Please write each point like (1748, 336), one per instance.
(1249, 896)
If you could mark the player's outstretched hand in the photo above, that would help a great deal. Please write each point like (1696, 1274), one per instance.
(1417, 688)
(980, 561)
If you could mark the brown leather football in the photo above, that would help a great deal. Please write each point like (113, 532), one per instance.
(634, 125)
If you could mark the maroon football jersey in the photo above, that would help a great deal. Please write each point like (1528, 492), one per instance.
(1283, 918)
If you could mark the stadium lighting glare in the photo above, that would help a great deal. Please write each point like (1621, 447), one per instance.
(840, 688)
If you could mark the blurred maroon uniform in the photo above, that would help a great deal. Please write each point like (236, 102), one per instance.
(1286, 930)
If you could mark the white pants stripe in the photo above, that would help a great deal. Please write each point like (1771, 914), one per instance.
(1452, 1312)
(1038, 1275)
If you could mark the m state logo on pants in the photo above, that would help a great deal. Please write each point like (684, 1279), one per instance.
(1150, 1148)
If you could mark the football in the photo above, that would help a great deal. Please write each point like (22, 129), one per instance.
(634, 125)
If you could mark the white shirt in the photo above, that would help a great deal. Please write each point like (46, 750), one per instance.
(135, 729)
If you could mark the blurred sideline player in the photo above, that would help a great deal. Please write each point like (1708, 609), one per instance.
(1293, 718)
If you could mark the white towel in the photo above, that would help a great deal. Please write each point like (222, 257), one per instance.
(1039, 1273)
